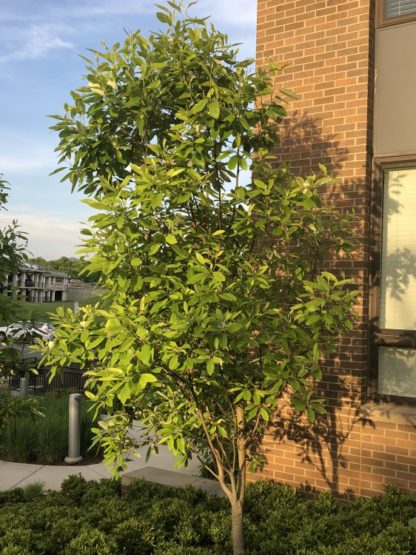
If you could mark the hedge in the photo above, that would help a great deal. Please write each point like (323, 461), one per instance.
(90, 518)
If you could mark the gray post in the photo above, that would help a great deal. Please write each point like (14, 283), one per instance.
(76, 306)
(24, 387)
(74, 429)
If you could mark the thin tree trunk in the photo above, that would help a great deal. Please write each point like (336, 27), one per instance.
(237, 527)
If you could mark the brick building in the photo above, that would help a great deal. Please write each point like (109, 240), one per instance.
(353, 66)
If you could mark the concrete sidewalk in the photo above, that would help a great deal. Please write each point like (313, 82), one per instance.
(14, 474)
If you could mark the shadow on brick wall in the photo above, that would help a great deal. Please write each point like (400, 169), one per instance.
(322, 444)
(304, 146)
(331, 447)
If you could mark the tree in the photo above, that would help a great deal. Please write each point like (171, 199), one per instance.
(12, 254)
(73, 266)
(216, 308)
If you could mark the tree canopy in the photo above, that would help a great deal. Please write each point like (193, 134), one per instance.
(73, 266)
(216, 307)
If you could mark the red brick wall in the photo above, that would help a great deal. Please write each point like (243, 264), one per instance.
(327, 48)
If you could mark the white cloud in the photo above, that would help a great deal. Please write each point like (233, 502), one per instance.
(234, 12)
(51, 10)
(34, 42)
(38, 162)
(22, 154)
(112, 7)
(28, 33)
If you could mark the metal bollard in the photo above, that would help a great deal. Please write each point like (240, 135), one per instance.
(24, 387)
(74, 429)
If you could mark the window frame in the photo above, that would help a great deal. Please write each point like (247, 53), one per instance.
(383, 337)
(383, 21)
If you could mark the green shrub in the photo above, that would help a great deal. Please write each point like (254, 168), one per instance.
(74, 487)
(91, 542)
(91, 518)
(134, 536)
(14, 550)
(44, 440)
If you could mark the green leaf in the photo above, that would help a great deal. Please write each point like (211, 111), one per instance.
(124, 393)
(164, 17)
(218, 277)
(90, 395)
(214, 109)
(154, 249)
(173, 362)
(228, 297)
(260, 184)
(145, 353)
(222, 431)
(196, 278)
(171, 239)
(247, 395)
(210, 367)
(201, 259)
(289, 93)
(264, 414)
(299, 404)
(310, 413)
(145, 379)
(199, 106)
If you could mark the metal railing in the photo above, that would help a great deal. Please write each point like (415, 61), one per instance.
(71, 379)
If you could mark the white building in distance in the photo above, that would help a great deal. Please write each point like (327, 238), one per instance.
(37, 285)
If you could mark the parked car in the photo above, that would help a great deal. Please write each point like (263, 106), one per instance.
(26, 330)
(10, 330)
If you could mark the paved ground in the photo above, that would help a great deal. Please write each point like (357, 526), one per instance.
(20, 474)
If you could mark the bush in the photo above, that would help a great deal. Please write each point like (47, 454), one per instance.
(91, 518)
(43, 440)
(91, 542)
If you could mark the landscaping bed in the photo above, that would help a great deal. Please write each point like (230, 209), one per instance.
(91, 518)
(44, 440)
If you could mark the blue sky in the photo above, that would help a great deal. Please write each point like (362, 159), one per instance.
(40, 43)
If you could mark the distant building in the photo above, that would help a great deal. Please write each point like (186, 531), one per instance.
(37, 285)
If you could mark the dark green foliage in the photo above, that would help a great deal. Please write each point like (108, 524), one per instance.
(12, 407)
(27, 437)
(91, 518)
(12, 240)
(12, 253)
(91, 542)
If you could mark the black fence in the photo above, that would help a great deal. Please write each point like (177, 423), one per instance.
(71, 379)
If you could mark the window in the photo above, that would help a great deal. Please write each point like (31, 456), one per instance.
(395, 315)
(391, 12)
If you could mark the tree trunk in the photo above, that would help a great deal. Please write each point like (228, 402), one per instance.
(237, 527)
